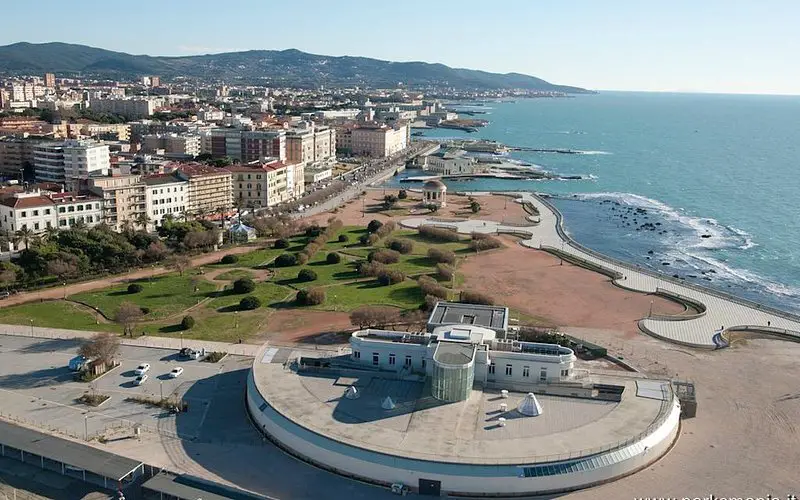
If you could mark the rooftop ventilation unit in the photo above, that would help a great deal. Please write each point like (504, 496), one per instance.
(352, 393)
(388, 404)
(530, 406)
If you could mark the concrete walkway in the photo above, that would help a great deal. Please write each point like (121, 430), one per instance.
(722, 312)
(146, 341)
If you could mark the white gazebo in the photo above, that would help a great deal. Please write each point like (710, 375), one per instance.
(434, 191)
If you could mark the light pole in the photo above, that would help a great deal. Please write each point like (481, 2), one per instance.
(86, 427)
(562, 253)
(65, 290)
(181, 340)
(31, 327)
(650, 313)
(236, 321)
(161, 387)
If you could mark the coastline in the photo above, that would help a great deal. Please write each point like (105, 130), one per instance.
(703, 330)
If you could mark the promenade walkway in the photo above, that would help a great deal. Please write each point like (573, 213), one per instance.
(722, 312)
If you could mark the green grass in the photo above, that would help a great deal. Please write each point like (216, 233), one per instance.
(347, 297)
(218, 327)
(254, 259)
(414, 264)
(233, 275)
(166, 295)
(352, 232)
(52, 314)
(326, 273)
(268, 293)
(421, 245)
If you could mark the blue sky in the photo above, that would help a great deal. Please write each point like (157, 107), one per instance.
(737, 46)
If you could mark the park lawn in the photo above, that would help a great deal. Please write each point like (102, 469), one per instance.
(267, 292)
(234, 274)
(347, 297)
(326, 273)
(254, 259)
(353, 233)
(414, 264)
(421, 245)
(357, 251)
(53, 314)
(166, 295)
(228, 327)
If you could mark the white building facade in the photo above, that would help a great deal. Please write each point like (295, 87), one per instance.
(166, 196)
(83, 159)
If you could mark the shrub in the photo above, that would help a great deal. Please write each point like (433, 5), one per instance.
(390, 277)
(372, 239)
(229, 259)
(145, 310)
(374, 225)
(311, 297)
(135, 288)
(333, 258)
(384, 256)
(364, 239)
(429, 303)
(429, 286)
(441, 256)
(371, 269)
(302, 258)
(386, 229)
(402, 194)
(445, 272)
(313, 231)
(281, 243)
(187, 322)
(286, 260)
(249, 303)
(306, 275)
(438, 234)
(389, 201)
(374, 316)
(244, 285)
(343, 238)
(401, 245)
(470, 297)
(475, 206)
(483, 242)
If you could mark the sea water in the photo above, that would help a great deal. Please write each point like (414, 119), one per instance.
(715, 179)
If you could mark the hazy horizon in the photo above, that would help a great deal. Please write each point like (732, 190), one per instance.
(727, 47)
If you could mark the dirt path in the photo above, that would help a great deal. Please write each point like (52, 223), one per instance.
(535, 283)
(58, 292)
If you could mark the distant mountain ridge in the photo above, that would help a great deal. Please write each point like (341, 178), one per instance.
(275, 67)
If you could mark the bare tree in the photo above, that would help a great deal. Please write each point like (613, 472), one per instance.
(179, 263)
(374, 316)
(62, 268)
(128, 315)
(155, 251)
(8, 274)
(102, 347)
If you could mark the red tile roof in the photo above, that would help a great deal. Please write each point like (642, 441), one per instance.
(27, 202)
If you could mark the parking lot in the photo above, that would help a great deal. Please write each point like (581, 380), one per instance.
(37, 388)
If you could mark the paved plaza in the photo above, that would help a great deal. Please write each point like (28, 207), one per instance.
(697, 331)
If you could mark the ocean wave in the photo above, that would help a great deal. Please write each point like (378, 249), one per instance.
(591, 152)
(702, 232)
(725, 272)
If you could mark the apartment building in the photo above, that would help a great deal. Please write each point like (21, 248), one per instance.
(310, 144)
(50, 80)
(174, 145)
(38, 211)
(118, 131)
(141, 128)
(266, 185)
(373, 140)
(83, 159)
(166, 195)
(131, 108)
(48, 162)
(124, 199)
(209, 189)
(15, 154)
(245, 145)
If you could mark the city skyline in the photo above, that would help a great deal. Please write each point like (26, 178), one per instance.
(723, 47)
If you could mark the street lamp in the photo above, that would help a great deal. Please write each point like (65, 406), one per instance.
(31, 327)
(181, 340)
(65, 290)
(236, 320)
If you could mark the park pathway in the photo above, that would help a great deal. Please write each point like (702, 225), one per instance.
(723, 313)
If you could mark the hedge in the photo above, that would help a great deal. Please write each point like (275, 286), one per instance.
(390, 277)
(470, 297)
(187, 322)
(333, 258)
(401, 245)
(281, 243)
(286, 260)
(438, 234)
(244, 285)
(384, 256)
(135, 288)
(430, 286)
(229, 259)
(311, 297)
(441, 256)
(249, 303)
(306, 275)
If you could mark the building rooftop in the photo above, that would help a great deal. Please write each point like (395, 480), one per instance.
(569, 426)
(453, 313)
(195, 169)
(33, 201)
(75, 454)
(158, 179)
(454, 353)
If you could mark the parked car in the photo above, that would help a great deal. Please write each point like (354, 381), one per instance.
(188, 353)
(142, 369)
(141, 379)
(176, 372)
(5, 294)
(78, 363)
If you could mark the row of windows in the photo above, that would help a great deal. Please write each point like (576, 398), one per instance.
(62, 223)
(526, 371)
(250, 186)
(585, 464)
(169, 190)
(168, 210)
(376, 359)
(164, 201)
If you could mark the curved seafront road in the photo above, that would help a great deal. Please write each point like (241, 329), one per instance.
(722, 311)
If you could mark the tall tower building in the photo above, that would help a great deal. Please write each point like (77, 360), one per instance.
(50, 80)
